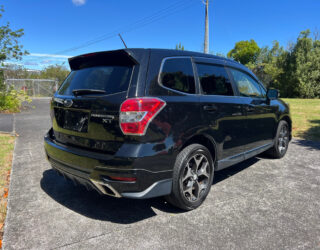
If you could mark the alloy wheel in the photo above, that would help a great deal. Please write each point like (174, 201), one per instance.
(195, 177)
(283, 139)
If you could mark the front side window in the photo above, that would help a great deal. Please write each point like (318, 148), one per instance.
(247, 86)
(177, 74)
(264, 93)
(214, 80)
(112, 79)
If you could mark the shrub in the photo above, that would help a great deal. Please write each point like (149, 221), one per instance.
(11, 100)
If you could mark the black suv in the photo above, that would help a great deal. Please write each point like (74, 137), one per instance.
(142, 123)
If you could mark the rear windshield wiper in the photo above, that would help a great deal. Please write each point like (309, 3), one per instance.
(78, 92)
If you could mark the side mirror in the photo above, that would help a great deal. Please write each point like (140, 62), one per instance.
(273, 94)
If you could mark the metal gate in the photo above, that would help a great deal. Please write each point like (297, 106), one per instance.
(34, 87)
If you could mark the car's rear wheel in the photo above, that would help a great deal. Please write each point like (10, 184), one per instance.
(192, 177)
(281, 141)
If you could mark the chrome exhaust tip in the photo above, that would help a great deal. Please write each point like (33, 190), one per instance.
(105, 188)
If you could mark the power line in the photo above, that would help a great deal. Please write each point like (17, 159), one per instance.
(138, 24)
(161, 14)
(134, 23)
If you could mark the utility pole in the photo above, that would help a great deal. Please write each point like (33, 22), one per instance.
(206, 31)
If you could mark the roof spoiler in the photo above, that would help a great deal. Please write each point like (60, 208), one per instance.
(106, 58)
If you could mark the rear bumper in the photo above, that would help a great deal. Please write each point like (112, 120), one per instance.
(93, 170)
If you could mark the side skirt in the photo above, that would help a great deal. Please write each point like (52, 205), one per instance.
(227, 162)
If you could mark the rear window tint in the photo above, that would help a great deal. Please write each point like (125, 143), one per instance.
(214, 80)
(177, 74)
(112, 79)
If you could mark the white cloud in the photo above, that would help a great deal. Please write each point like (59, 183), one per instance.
(30, 63)
(13, 63)
(46, 61)
(79, 2)
(49, 55)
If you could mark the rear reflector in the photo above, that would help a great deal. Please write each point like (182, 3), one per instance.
(137, 113)
(122, 178)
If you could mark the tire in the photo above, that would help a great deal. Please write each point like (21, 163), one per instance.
(281, 141)
(192, 177)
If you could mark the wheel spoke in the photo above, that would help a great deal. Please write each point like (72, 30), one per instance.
(203, 170)
(188, 174)
(188, 191)
(280, 149)
(198, 188)
(198, 161)
(282, 132)
(188, 188)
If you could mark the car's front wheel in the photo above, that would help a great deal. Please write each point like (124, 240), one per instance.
(192, 177)
(281, 141)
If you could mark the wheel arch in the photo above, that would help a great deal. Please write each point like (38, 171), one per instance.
(206, 141)
(289, 121)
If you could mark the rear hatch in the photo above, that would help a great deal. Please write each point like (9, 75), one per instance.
(85, 109)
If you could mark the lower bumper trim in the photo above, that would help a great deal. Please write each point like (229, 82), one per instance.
(160, 188)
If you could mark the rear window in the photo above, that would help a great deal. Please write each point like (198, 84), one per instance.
(112, 79)
(214, 80)
(177, 74)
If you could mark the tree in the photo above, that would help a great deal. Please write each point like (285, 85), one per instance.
(295, 70)
(10, 48)
(269, 65)
(179, 46)
(55, 72)
(58, 72)
(13, 71)
(306, 59)
(245, 52)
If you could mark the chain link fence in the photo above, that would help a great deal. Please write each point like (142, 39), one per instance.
(34, 87)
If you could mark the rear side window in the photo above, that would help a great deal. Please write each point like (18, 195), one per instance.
(177, 74)
(214, 80)
(112, 79)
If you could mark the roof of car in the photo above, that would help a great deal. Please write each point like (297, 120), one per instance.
(172, 52)
(164, 53)
(136, 53)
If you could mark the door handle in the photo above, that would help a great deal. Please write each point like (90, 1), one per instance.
(250, 108)
(210, 108)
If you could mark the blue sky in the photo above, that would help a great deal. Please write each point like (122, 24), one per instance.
(52, 28)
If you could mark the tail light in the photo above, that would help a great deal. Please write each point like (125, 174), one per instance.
(137, 113)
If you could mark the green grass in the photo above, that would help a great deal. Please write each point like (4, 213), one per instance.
(305, 115)
(6, 152)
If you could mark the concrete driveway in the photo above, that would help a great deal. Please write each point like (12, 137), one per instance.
(6, 123)
(260, 203)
